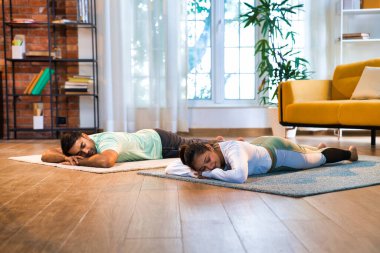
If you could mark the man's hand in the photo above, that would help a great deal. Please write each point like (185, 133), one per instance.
(106, 159)
(72, 160)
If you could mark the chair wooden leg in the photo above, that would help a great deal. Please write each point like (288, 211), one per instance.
(373, 137)
(339, 133)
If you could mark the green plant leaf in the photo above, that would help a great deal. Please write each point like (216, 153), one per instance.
(278, 59)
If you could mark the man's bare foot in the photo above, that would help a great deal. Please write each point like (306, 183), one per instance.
(240, 139)
(321, 145)
(219, 138)
(354, 153)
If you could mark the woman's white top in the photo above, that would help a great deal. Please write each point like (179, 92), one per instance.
(242, 160)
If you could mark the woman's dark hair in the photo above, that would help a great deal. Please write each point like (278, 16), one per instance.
(68, 140)
(187, 153)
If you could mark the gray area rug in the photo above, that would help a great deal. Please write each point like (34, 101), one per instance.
(331, 178)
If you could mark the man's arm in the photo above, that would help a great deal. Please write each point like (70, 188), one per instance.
(106, 159)
(53, 155)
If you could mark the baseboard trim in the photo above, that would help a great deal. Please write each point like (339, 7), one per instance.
(244, 132)
(254, 132)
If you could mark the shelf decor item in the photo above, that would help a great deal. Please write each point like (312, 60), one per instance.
(83, 15)
(38, 116)
(348, 36)
(18, 46)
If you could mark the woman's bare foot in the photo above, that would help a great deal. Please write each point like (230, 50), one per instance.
(321, 145)
(240, 139)
(354, 153)
(219, 138)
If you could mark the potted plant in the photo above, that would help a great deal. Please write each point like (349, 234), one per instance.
(275, 48)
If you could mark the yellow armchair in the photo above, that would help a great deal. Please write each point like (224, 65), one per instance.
(326, 103)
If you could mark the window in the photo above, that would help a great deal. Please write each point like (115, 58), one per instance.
(221, 61)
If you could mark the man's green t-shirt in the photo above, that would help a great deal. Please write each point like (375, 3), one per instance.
(141, 145)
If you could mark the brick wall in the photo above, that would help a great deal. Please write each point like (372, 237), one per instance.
(37, 39)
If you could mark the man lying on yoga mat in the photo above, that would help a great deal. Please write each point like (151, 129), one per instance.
(234, 161)
(104, 149)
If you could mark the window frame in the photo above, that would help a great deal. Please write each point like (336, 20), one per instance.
(217, 65)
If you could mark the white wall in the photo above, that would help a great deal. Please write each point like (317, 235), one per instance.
(86, 115)
(226, 117)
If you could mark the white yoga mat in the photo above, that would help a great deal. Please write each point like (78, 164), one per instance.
(127, 166)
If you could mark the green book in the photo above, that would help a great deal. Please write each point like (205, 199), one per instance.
(41, 83)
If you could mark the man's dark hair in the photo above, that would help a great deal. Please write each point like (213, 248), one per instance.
(68, 140)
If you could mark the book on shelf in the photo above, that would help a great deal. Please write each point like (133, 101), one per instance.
(40, 53)
(32, 83)
(75, 90)
(42, 81)
(349, 36)
(63, 21)
(66, 87)
(80, 80)
(83, 76)
(77, 93)
(23, 20)
(76, 83)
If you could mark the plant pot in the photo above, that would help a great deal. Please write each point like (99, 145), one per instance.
(277, 128)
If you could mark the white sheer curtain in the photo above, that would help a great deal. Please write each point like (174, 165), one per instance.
(142, 65)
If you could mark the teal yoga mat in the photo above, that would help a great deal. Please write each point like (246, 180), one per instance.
(329, 178)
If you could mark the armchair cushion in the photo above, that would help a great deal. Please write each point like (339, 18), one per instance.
(360, 113)
(346, 77)
(314, 112)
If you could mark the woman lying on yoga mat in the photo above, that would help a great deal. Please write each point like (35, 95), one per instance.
(234, 161)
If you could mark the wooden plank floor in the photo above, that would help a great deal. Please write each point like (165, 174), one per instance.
(45, 209)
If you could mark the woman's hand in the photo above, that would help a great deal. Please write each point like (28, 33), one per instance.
(199, 175)
(72, 160)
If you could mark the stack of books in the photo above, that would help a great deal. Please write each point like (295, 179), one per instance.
(39, 81)
(354, 36)
(78, 84)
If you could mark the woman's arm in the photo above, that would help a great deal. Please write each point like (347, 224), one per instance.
(232, 176)
(237, 160)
